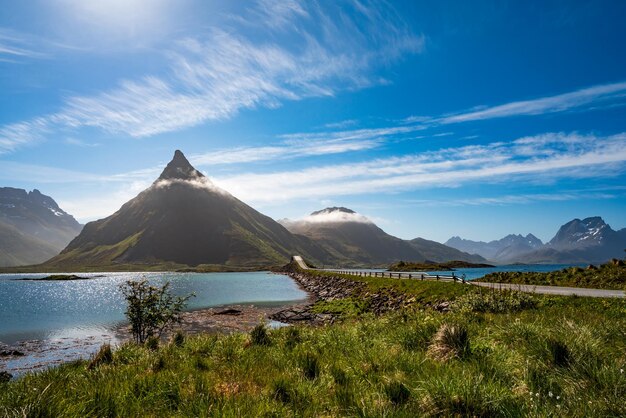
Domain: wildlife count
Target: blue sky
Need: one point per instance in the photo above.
(433, 118)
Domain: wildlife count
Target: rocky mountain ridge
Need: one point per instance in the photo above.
(33, 228)
(590, 240)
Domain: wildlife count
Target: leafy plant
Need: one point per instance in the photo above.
(310, 365)
(260, 336)
(150, 309)
(103, 356)
(496, 301)
(450, 341)
(559, 352)
(397, 392)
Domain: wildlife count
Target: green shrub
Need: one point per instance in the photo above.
(397, 392)
(310, 365)
(559, 352)
(293, 337)
(152, 343)
(150, 310)
(178, 339)
(103, 356)
(450, 341)
(158, 365)
(496, 301)
(339, 375)
(260, 336)
(281, 391)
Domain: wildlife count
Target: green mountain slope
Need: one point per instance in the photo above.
(356, 241)
(183, 218)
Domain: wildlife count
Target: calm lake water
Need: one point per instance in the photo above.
(57, 321)
(477, 273)
(48, 310)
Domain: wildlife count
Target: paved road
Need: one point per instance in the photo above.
(545, 290)
(556, 290)
(300, 262)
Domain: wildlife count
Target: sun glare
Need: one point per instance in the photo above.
(116, 20)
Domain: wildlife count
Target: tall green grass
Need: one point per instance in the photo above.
(564, 358)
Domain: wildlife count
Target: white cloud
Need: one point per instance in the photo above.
(214, 76)
(550, 104)
(198, 183)
(516, 199)
(303, 145)
(15, 46)
(326, 216)
(536, 159)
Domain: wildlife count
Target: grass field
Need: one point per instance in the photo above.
(545, 356)
(611, 275)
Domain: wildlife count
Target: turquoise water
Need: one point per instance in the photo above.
(49, 310)
(477, 273)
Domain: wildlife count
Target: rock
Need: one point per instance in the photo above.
(10, 352)
(442, 307)
(228, 312)
(5, 377)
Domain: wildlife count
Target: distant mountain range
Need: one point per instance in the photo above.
(183, 219)
(33, 227)
(590, 240)
(502, 250)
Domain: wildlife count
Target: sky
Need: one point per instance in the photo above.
(432, 118)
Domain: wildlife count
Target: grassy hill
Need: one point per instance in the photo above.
(611, 275)
(448, 265)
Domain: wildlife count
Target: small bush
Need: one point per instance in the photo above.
(178, 339)
(397, 392)
(559, 352)
(260, 336)
(200, 364)
(152, 343)
(310, 366)
(293, 337)
(450, 341)
(158, 365)
(281, 391)
(339, 375)
(103, 356)
(150, 310)
(496, 301)
(5, 377)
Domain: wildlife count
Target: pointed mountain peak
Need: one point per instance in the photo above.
(333, 209)
(180, 168)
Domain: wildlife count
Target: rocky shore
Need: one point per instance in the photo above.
(329, 288)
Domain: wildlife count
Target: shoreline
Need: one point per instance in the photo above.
(37, 355)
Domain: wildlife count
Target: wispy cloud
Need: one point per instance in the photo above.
(284, 150)
(348, 140)
(517, 199)
(342, 124)
(544, 105)
(15, 46)
(214, 76)
(538, 159)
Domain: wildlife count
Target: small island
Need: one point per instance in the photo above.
(58, 277)
(433, 266)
